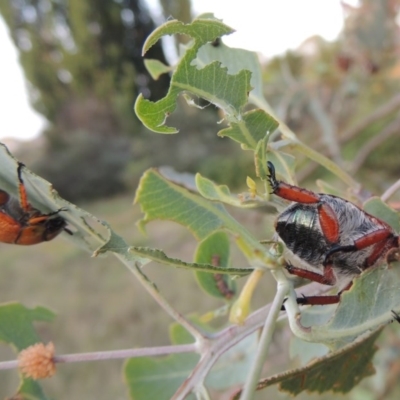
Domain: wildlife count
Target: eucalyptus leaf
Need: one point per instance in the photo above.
(156, 68)
(366, 306)
(158, 378)
(165, 200)
(254, 126)
(212, 82)
(338, 371)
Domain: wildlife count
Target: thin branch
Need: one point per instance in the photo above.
(390, 191)
(162, 302)
(114, 354)
(222, 341)
(265, 341)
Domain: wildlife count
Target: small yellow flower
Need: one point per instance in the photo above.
(37, 361)
(252, 187)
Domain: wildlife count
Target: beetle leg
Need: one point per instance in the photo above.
(328, 278)
(315, 300)
(318, 300)
(43, 217)
(372, 238)
(321, 300)
(290, 192)
(23, 197)
(379, 238)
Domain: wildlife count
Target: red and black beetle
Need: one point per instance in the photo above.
(20, 223)
(328, 239)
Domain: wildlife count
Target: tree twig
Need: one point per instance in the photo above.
(114, 354)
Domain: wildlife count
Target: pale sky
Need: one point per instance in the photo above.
(269, 27)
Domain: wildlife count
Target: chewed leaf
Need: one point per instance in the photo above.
(235, 60)
(212, 82)
(161, 199)
(156, 68)
(367, 305)
(339, 371)
(254, 126)
(211, 191)
(204, 29)
(88, 231)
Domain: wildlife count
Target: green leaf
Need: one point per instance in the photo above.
(156, 68)
(31, 390)
(151, 378)
(179, 335)
(365, 306)
(211, 191)
(232, 367)
(159, 256)
(339, 372)
(162, 199)
(254, 126)
(221, 193)
(376, 207)
(260, 159)
(17, 330)
(212, 82)
(203, 29)
(284, 164)
(16, 324)
(306, 351)
(235, 60)
(215, 249)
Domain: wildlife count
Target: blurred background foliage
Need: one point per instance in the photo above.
(83, 62)
(342, 97)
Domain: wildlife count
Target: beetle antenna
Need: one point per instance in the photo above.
(19, 172)
(272, 177)
(68, 231)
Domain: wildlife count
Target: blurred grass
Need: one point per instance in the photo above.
(99, 304)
